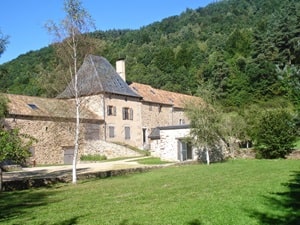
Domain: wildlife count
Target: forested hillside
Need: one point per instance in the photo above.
(248, 49)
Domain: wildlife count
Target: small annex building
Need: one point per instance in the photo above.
(171, 143)
(112, 111)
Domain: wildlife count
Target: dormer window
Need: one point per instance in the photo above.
(33, 106)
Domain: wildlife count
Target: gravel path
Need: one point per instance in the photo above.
(66, 170)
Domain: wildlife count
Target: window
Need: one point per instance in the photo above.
(181, 121)
(111, 110)
(111, 132)
(127, 113)
(127, 133)
(33, 106)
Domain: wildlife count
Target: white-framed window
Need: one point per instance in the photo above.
(127, 113)
(127, 133)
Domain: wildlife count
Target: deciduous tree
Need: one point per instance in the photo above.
(275, 134)
(73, 45)
(205, 121)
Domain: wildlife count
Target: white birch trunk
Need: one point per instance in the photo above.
(77, 102)
(76, 147)
(207, 157)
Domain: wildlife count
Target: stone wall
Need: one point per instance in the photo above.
(52, 137)
(167, 146)
(110, 150)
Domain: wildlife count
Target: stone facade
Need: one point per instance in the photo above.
(171, 145)
(123, 120)
(157, 115)
(51, 136)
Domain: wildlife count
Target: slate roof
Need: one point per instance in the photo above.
(95, 76)
(154, 95)
(30, 106)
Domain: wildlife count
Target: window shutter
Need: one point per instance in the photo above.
(127, 133)
(123, 113)
(131, 114)
(111, 131)
(115, 110)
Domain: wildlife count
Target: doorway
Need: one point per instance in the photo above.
(185, 151)
(68, 155)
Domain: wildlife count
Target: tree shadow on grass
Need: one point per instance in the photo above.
(193, 222)
(16, 204)
(285, 205)
(71, 221)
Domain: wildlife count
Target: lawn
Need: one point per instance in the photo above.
(235, 192)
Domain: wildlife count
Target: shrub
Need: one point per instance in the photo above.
(275, 134)
(14, 146)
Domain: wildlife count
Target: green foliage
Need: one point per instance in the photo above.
(275, 134)
(236, 44)
(205, 118)
(14, 146)
(3, 106)
(93, 158)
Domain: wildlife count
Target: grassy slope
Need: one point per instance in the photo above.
(236, 192)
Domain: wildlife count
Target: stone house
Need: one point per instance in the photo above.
(112, 111)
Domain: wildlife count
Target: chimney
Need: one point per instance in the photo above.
(120, 68)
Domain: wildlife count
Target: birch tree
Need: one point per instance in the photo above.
(205, 121)
(72, 44)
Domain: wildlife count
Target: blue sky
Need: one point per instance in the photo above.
(24, 20)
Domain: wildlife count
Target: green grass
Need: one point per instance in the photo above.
(93, 158)
(235, 192)
(151, 161)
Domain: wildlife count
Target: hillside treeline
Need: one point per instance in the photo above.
(248, 49)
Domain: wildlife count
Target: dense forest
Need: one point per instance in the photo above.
(248, 49)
